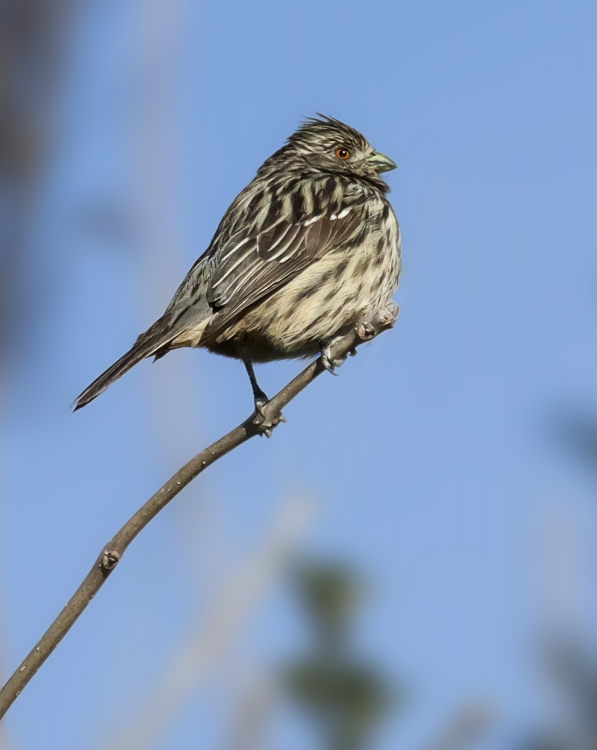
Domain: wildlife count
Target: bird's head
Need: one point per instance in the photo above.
(324, 144)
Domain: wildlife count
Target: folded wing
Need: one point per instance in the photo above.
(253, 267)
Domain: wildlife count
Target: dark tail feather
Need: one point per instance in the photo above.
(145, 346)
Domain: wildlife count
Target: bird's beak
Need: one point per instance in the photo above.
(380, 163)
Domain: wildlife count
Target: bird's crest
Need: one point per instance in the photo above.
(326, 131)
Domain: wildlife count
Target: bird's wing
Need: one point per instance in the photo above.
(255, 265)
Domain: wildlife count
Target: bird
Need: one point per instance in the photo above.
(306, 250)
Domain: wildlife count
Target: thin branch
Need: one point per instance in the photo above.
(111, 554)
(255, 711)
(213, 637)
(465, 728)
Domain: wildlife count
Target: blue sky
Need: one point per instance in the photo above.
(431, 454)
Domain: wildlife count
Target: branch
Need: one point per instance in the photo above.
(255, 711)
(111, 554)
(466, 727)
(212, 638)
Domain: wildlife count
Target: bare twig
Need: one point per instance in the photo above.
(255, 711)
(211, 639)
(469, 724)
(111, 554)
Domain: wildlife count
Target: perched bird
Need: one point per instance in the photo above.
(305, 251)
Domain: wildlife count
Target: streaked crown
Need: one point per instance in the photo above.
(325, 145)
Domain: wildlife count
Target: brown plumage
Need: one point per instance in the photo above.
(306, 250)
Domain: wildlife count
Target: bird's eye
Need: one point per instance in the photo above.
(342, 153)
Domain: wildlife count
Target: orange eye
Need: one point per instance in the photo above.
(342, 153)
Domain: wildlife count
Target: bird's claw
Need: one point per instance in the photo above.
(265, 423)
(327, 362)
(326, 359)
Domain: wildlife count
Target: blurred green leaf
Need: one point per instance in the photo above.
(330, 594)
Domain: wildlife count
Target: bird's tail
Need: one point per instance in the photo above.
(147, 344)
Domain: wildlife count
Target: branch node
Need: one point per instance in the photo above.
(110, 560)
(388, 317)
(366, 331)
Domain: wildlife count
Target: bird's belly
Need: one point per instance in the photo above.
(327, 297)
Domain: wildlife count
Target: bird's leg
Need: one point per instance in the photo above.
(258, 395)
(265, 424)
(326, 356)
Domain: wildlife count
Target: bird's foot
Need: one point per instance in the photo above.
(326, 357)
(264, 421)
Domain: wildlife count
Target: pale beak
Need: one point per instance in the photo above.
(380, 163)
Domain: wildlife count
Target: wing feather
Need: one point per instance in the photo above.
(315, 219)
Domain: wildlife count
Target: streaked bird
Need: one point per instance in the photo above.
(308, 249)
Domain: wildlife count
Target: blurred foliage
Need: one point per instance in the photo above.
(576, 430)
(32, 46)
(576, 671)
(330, 595)
(573, 676)
(344, 696)
(548, 743)
(345, 699)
